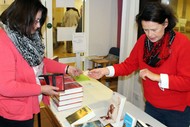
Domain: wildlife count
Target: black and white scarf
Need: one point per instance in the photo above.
(32, 49)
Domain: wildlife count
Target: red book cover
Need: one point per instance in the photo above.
(68, 79)
(71, 88)
(56, 79)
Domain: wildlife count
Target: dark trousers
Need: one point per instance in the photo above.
(14, 123)
(170, 118)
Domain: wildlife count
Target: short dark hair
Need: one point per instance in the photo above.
(157, 12)
(20, 16)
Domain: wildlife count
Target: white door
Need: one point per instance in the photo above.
(54, 20)
(48, 30)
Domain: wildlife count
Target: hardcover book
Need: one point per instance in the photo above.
(82, 115)
(69, 96)
(66, 102)
(54, 79)
(95, 123)
(115, 109)
(65, 107)
(68, 79)
(71, 88)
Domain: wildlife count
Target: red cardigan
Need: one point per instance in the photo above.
(177, 66)
(18, 89)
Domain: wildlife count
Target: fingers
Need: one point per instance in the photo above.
(95, 73)
(49, 90)
(142, 74)
(73, 71)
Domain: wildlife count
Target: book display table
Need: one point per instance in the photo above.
(96, 96)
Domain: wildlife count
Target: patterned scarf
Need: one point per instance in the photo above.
(32, 49)
(156, 53)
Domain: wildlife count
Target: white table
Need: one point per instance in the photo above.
(96, 95)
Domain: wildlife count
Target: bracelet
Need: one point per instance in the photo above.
(67, 69)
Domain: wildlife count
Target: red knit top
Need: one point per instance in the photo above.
(177, 66)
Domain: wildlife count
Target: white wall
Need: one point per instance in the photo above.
(130, 86)
(102, 27)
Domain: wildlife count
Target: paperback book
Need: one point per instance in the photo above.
(115, 109)
(95, 123)
(129, 120)
(82, 115)
(139, 123)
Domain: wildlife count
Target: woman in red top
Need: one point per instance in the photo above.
(22, 60)
(162, 56)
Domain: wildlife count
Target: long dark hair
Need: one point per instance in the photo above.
(20, 16)
(157, 12)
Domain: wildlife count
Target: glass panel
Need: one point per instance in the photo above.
(182, 11)
(64, 17)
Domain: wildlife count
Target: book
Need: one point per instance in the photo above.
(70, 88)
(95, 123)
(139, 123)
(61, 97)
(66, 102)
(66, 107)
(54, 79)
(68, 79)
(82, 77)
(81, 115)
(115, 109)
(129, 120)
(108, 125)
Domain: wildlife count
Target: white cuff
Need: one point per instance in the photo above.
(111, 70)
(164, 81)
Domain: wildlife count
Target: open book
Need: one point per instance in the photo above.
(115, 109)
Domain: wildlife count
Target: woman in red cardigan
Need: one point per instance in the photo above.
(22, 60)
(162, 56)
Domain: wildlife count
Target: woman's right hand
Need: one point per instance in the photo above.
(49, 90)
(98, 73)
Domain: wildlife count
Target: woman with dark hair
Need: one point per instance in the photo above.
(22, 60)
(162, 56)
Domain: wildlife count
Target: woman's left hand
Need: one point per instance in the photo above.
(145, 73)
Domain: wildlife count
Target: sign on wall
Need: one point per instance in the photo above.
(64, 3)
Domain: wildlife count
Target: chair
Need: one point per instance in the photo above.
(111, 58)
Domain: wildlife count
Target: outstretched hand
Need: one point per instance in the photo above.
(73, 71)
(98, 73)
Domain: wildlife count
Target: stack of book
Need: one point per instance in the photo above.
(70, 97)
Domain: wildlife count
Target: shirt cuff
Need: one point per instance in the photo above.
(111, 71)
(164, 81)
